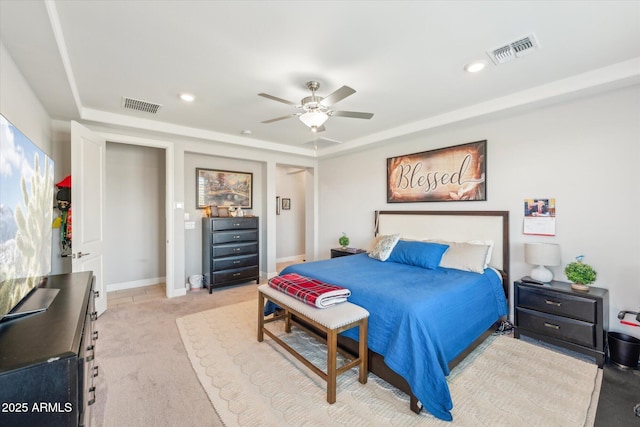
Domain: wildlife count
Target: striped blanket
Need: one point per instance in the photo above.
(310, 291)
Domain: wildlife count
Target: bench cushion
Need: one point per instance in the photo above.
(332, 317)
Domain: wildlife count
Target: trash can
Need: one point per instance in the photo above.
(624, 349)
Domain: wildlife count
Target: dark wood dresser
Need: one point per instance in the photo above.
(47, 365)
(230, 248)
(556, 314)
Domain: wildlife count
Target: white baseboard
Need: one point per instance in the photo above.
(135, 284)
(300, 258)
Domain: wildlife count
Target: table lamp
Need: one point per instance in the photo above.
(542, 255)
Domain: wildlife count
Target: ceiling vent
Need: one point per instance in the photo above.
(138, 105)
(513, 50)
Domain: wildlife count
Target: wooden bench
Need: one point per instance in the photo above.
(331, 320)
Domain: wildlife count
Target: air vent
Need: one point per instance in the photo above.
(138, 105)
(513, 50)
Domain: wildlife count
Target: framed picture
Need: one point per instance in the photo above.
(223, 188)
(286, 204)
(277, 205)
(450, 174)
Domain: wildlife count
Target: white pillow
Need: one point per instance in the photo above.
(464, 256)
(384, 246)
(489, 252)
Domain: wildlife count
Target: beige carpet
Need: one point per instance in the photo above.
(504, 382)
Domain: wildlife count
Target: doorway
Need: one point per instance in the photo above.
(291, 214)
(135, 221)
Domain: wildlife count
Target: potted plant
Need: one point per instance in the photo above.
(343, 240)
(580, 274)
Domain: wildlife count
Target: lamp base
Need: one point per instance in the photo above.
(542, 274)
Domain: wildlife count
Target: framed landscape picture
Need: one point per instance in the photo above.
(223, 188)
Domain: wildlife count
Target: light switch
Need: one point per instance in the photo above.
(189, 225)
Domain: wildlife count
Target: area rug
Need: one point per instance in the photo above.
(504, 382)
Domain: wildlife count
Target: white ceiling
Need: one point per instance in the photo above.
(405, 60)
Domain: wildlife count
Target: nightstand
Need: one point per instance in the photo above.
(558, 315)
(338, 252)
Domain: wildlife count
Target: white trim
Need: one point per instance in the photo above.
(135, 284)
(300, 258)
(169, 194)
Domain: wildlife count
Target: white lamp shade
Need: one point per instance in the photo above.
(541, 255)
(314, 119)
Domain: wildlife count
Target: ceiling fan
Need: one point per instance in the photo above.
(316, 109)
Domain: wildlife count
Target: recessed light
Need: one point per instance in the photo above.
(475, 66)
(246, 132)
(187, 97)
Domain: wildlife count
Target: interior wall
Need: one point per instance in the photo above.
(135, 216)
(583, 152)
(290, 224)
(21, 106)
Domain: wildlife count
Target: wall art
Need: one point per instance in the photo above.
(223, 188)
(456, 173)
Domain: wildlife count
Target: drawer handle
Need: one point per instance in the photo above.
(236, 274)
(93, 400)
(94, 315)
(95, 335)
(236, 237)
(236, 262)
(95, 371)
(551, 325)
(236, 249)
(557, 304)
(236, 224)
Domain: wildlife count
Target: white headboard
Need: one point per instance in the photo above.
(457, 226)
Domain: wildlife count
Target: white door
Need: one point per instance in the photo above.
(87, 204)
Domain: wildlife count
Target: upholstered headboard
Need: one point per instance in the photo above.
(457, 226)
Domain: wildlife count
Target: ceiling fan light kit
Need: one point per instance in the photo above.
(314, 119)
(316, 108)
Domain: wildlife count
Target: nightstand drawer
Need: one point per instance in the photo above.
(575, 331)
(557, 303)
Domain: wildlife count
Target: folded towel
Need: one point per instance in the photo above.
(310, 291)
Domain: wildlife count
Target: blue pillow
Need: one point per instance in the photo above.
(420, 254)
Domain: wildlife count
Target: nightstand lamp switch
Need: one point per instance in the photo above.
(542, 255)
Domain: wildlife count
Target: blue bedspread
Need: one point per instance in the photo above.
(420, 319)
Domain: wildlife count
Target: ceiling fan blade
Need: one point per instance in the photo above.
(281, 118)
(352, 114)
(336, 96)
(275, 98)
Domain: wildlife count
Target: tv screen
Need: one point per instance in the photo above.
(26, 211)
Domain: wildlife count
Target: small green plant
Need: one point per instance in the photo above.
(343, 240)
(579, 272)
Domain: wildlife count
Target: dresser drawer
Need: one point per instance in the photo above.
(565, 305)
(234, 249)
(235, 274)
(575, 331)
(234, 236)
(234, 223)
(234, 262)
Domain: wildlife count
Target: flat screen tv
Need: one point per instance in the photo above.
(26, 211)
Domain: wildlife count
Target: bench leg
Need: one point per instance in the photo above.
(260, 317)
(363, 351)
(332, 354)
(287, 320)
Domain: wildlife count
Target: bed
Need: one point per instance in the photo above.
(425, 317)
